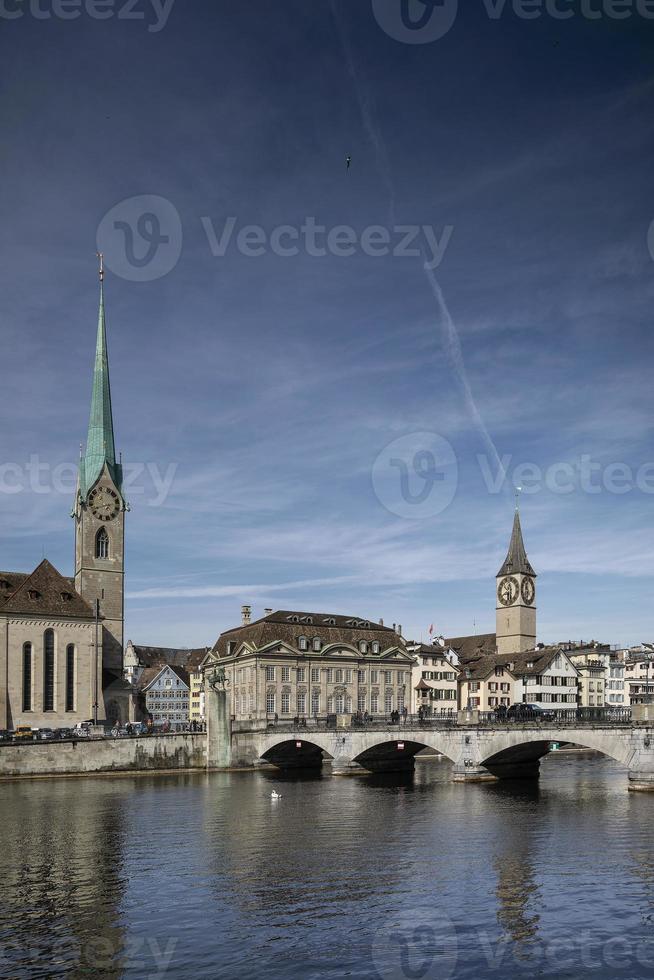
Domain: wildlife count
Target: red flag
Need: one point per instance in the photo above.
(431, 629)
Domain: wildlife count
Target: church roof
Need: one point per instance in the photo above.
(100, 448)
(43, 593)
(175, 657)
(473, 647)
(516, 561)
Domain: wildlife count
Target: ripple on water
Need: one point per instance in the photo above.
(195, 875)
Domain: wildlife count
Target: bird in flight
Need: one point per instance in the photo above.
(348, 161)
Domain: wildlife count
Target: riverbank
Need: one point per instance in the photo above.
(83, 757)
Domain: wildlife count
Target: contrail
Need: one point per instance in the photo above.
(450, 332)
(453, 347)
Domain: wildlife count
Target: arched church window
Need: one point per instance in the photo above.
(48, 670)
(102, 544)
(27, 676)
(70, 677)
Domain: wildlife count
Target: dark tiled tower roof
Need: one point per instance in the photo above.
(516, 561)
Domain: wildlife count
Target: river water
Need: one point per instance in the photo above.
(195, 875)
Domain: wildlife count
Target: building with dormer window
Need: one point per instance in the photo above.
(272, 673)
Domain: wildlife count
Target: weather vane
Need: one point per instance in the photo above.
(518, 491)
(101, 269)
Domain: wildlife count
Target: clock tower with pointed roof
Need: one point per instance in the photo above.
(516, 597)
(99, 510)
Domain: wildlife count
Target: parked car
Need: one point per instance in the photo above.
(64, 733)
(24, 733)
(528, 711)
(5, 736)
(45, 734)
(82, 729)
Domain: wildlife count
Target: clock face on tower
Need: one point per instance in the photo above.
(104, 503)
(527, 591)
(508, 590)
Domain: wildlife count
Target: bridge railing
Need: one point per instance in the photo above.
(557, 716)
(519, 716)
(370, 723)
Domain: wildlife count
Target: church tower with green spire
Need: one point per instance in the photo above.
(515, 617)
(99, 511)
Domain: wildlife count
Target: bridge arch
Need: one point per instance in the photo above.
(295, 752)
(509, 750)
(373, 750)
(384, 753)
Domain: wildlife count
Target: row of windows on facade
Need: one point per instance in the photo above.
(158, 706)
(183, 693)
(547, 680)
(493, 686)
(335, 704)
(48, 661)
(170, 717)
(494, 702)
(336, 675)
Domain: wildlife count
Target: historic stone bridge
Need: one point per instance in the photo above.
(478, 751)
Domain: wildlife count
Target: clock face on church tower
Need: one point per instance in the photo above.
(508, 590)
(104, 503)
(527, 591)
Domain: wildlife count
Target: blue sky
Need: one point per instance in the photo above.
(271, 386)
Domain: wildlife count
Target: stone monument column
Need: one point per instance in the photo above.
(216, 712)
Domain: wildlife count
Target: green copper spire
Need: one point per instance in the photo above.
(100, 448)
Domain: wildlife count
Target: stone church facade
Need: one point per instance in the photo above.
(61, 639)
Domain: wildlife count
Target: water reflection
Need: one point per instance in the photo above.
(62, 873)
(206, 875)
(514, 860)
